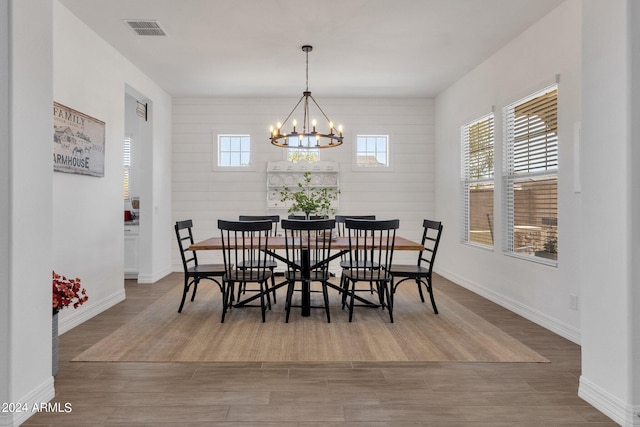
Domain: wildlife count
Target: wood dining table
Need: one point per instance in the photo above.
(339, 244)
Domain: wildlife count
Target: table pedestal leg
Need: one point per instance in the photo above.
(306, 284)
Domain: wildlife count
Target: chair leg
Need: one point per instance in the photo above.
(433, 301)
(290, 287)
(325, 294)
(344, 285)
(184, 293)
(380, 292)
(227, 297)
(195, 288)
(273, 284)
(419, 283)
(353, 292)
(389, 297)
(240, 289)
(263, 308)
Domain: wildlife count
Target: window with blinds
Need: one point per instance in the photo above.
(127, 166)
(531, 176)
(477, 140)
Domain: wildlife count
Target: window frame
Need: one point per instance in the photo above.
(519, 169)
(467, 181)
(217, 152)
(378, 168)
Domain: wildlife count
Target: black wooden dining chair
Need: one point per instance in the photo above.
(342, 232)
(271, 262)
(308, 247)
(245, 243)
(371, 242)
(193, 271)
(422, 271)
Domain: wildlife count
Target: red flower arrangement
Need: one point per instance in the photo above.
(67, 292)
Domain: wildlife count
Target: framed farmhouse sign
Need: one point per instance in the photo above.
(78, 142)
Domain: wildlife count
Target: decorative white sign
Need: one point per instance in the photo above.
(78, 142)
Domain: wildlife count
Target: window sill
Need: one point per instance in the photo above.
(536, 259)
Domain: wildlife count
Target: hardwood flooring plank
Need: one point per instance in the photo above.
(343, 393)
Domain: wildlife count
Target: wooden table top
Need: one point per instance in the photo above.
(341, 243)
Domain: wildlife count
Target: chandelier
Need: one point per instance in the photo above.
(306, 137)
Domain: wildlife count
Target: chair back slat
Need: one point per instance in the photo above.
(342, 232)
(430, 241)
(371, 243)
(275, 220)
(310, 238)
(244, 245)
(184, 234)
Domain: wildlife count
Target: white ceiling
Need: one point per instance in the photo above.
(414, 48)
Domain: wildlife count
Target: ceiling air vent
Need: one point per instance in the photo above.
(146, 27)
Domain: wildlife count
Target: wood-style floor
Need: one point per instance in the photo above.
(363, 394)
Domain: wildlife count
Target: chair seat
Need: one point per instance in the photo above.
(316, 276)
(254, 264)
(408, 270)
(359, 264)
(207, 269)
(366, 275)
(314, 263)
(247, 276)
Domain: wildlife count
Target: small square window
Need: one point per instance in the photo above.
(234, 151)
(372, 151)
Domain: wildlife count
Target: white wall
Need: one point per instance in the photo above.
(205, 195)
(26, 131)
(88, 224)
(527, 64)
(610, 377)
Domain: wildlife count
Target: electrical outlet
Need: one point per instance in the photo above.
(573, 301)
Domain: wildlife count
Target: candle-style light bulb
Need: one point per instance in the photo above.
(340, 129)
(331, 127)
(295, 123)
(313, 123)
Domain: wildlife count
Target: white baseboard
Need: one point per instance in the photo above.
(153, 278)
(30, 404)
(611, 406)
(564, 330)
(80, 316)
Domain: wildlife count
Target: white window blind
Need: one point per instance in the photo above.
(127, 165)
(477, 146)
(531, 176)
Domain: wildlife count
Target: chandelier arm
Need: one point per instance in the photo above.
(294, 109)
(319, 108)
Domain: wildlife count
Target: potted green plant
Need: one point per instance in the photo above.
(550, 248)
(310, 200)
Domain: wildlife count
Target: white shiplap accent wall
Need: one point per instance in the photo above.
(206, 195)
